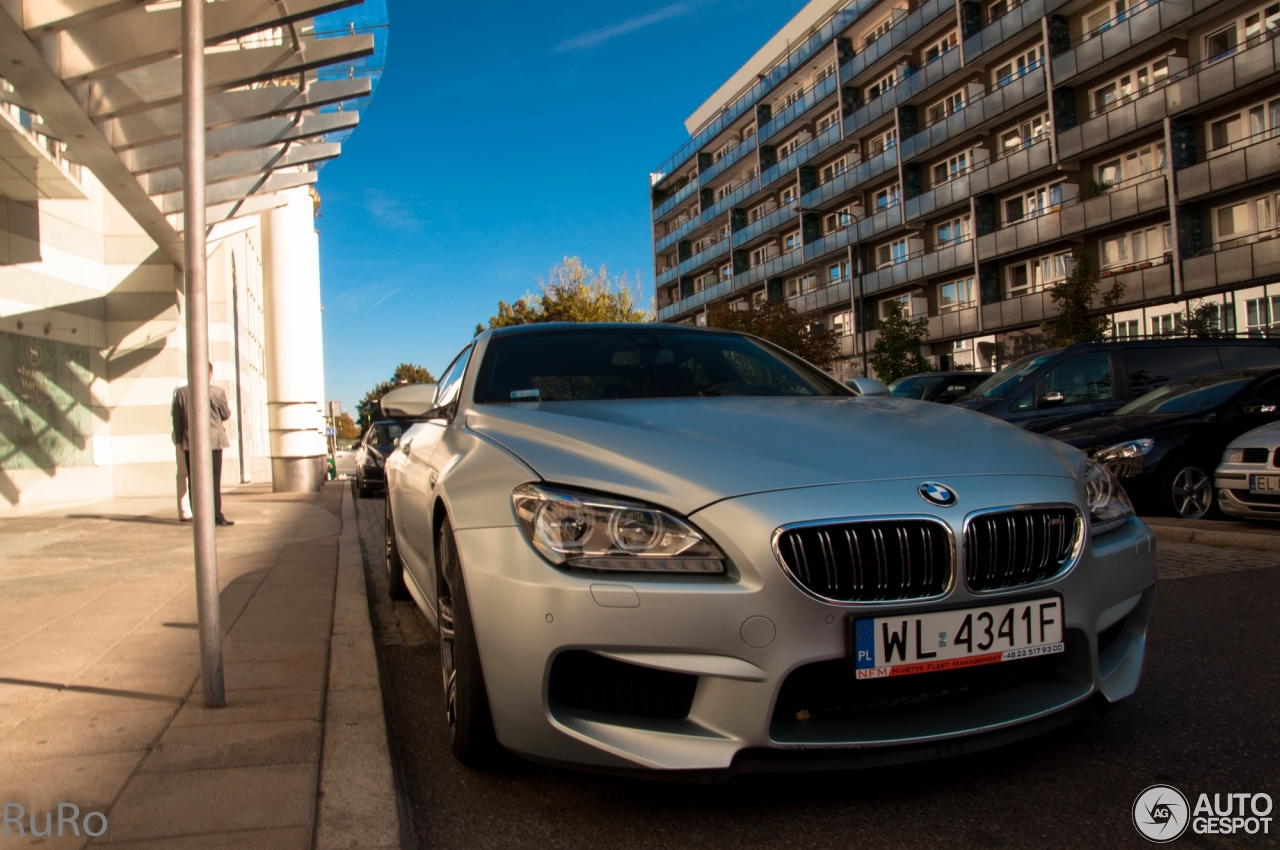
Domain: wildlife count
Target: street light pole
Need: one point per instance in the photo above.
(199, 432)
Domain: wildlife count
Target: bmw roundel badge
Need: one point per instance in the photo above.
(937, 494)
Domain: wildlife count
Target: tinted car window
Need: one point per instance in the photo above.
(384, 433)
(451, 380)
(917, 386)
(1190, 395)
(1085, 377)
(1150, 367)
(1002, 382)
(642, 363)
(1244, 356)
(958, 386)
(1263, 399)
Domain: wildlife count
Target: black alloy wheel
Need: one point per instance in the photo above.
(471, 733)
(1188, 491)
(396, 587)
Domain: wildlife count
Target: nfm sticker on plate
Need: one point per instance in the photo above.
(903, 644)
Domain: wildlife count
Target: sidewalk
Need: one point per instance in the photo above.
(1224, 534)
(100, 702)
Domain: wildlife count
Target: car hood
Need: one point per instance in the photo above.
(1108, 430)
(1268, 436)
(689, 452)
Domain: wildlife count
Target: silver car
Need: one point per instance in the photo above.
(1248, 479)
(664, 548)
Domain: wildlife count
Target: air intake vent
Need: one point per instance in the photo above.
(1014, 548)
(591, 682)
(868, 561)
(1255, 456)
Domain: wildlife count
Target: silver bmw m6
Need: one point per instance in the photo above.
(665, 548)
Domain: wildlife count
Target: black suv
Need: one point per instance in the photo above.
(1053, 388)
(378, 442)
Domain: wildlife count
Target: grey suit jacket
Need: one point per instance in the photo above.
(219, 412)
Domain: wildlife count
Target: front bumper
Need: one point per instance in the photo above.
(744, 634)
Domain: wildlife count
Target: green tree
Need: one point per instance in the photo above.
(405, 373)
(1202, 321)
(345, 427)
(1074, 296)
(896, 353)
(779, 324)
(574, 293)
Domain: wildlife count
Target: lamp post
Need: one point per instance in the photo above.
(855, 301)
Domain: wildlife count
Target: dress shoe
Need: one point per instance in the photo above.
(223, 521)
(184, 519)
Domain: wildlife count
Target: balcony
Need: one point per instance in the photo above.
(1023, 235)
(1142, 195)
(772, 267)
(737, 196)
(764, 224)
(1142, 283)
(920, 266)
(1230, 263)
(870, 169)
(1249, 160)
(866, 229)
(682, 194)
(890, 44)
(706, 255)
(696, 300)
(1178, 93)
(801, 54)
(994, 173)
(1139, 285)
(819, 299)
(731, 158)
(1094, 49)
(667, 275)
(802, 154)
(814, 95)
(1008, 26)
(993, 106)
(953, 323)
(676, 235)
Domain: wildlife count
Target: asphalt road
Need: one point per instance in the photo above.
(1205, 719)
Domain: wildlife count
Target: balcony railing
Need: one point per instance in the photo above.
(706, 255)
(1009, 25)
(696, 300)
(953, 323)
(1022, 235)
(771, 267)
(667, 275)
(873, 226)
(682, 194)
(828, 295)
(737, 196)
(1247, 161)
(878, 165)
(920, 266)
(1226, 264)
(806, 102)
(731, 157)
(993, 106)
(1139, 196)
(800, 156)
(1120, 36)
(793, 61)
(764, 224)
(676, 235)
(981, 179)
(889, 44)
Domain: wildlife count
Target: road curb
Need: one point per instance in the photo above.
(1223, 539)
(357, 805)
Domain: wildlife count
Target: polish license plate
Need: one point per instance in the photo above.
(903, 644)
(1269, 484)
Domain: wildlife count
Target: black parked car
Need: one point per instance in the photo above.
(942, 387)
(1165, 445)
(1053, 388)
(378, 442)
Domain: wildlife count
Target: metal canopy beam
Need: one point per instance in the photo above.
(159, 83)
(139, 36)
(46, 94)
(241, 165)
(227, 108)
(242, 187)
(229, 140)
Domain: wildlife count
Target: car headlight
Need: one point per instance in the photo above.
(592, 532)
(1233, 456)
(1124, 451)
(1109, 504)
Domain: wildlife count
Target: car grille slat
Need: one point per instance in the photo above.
(1255, 456)
(1019, 547)
(879, 559)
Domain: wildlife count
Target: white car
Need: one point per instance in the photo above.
(1248, 479)
(665, 548)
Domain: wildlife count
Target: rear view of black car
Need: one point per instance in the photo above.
(1049, 389)
(1165, 445)
(378, 442)
(942, 387)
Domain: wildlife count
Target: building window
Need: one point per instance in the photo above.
(724, 191)
(949, 105)
(1033, 203)
(941, 47)
(882, 85)
(1130, 166)
(878, 30)
(1168, 324)
(1025, 135)
(887, 197)
(1244, 222)
(788, 195)
(1247, 126)
(828, 121)
(1109, 15)
(762, 255)
(881, 143)
(800, 285)
(903, 300)
(791, 241)
(1260, 315)
(1018, 66)
(954, 231)
(838, 220)
(825, 71)
(837, 272)
(1248, 30)
(892, 253)
(1128, 329)
(832, 170)
(1129, 86)
(1000, 8)
(955, 295)
(841, 324)
(1034, 275)
(951, 168)
(1138, 246)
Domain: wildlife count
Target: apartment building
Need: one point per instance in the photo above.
(954, 155)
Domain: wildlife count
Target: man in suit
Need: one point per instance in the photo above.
(219, 412)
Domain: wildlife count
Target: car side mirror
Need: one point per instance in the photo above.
(396, 442)
(1260, 408)
(867, 387)
(1051, 399)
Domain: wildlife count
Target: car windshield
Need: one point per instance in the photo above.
(647, 362)
(1190, 395)
(916, 386)
(1010, 376)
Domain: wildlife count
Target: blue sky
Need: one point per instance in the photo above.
(503, 137)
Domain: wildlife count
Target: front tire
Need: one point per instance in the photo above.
(396, 588)
(1188, 491)
(471, 734)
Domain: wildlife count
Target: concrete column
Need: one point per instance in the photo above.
(294, 344)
